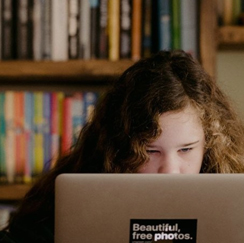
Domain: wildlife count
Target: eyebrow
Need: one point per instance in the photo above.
(189, 144)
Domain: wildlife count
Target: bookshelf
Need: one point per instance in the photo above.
(95, 74)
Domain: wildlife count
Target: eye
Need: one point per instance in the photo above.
(152, 151)
(185, 150)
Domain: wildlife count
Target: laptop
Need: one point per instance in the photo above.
(145, 208)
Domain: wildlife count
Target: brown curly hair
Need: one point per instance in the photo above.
(126, 120)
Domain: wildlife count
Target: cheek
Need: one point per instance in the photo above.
(193, 162)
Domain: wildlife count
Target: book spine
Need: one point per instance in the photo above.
(37, 30)
(94, 9)
(29, 135)
(189, 33)
(38, 134)
(146, 28)
(67, 125)
(125, 29)
(176, 25)
(56, 125)
(136, 29)
(85, 36)
(7, 30)
(90, 100)
(46, 30)
(3, 167)
(59, 30)
(47, 129)
(22, 29)
(77, 115)
(164, 18)
(103, 29)
(73, 29)
(20, 143)
(114, 29)
(236, 11)
(10, 135)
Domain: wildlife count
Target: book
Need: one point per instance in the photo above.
(125, 29)
(46, 30)
(94, 28)
(3, 167)
(37, 30)
(56, 125)
(136, 41)
(66, 139)
(164, 18)
(38, 163)
(58, 30)
(7, 30)
(146, 28)
(10, 135)
(113, 29)
(154, 28)
(176, 24)
(47, 139)
(90, 100)
(73, 29)
(20, 143)
(24, 10)
(103, 29)
(77, 115)
(29, 135)
(189, 27)
(85, 36)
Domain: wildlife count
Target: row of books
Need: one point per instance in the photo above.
(231, 12)
(36, 127)
(60, 30)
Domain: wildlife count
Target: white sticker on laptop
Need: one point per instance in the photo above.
(165, 230)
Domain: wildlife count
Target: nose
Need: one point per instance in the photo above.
(169, 165)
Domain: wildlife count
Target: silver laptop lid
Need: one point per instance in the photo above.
(140, 208)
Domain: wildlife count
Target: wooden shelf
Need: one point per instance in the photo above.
(48, 72)
(231, 38)
(13, 192)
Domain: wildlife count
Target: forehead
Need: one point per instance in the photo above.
(184, 121)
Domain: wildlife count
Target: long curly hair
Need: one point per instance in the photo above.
(125, 120)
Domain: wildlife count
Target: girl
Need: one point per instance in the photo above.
(163, 115)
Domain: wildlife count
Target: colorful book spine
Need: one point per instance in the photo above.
(46, 30)
(47, 130)
(176, 24)
(164, 18)
(7, 30)
(20, 142)
(10, 135)
(125, 29)
(136, 42)
(73, 29)
(38, 163)
(85, 32)
(189, 28)
(90, 100)
(227, 12)
(66, 141)
(94, 10)
(146, 28)
(103, 29)
(23, 30)
(3, 167)
(59, 30)
(29, 135)
(77, 115)
(114, 29)
(57, 99)
(37, 30)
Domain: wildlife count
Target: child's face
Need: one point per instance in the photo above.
(180, 147)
